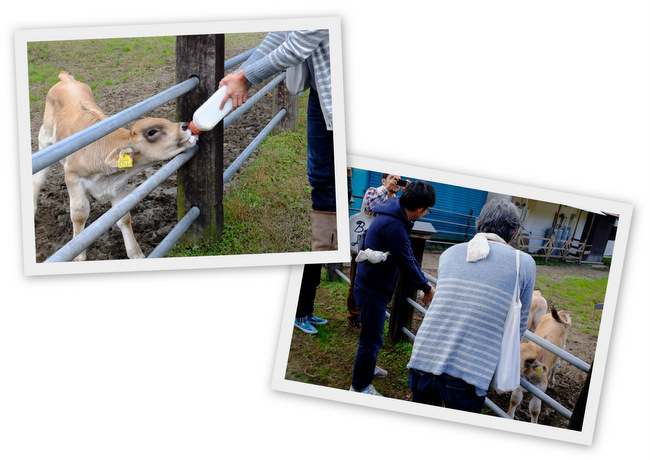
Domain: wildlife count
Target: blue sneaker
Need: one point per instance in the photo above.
(305, 326)
(316, 320)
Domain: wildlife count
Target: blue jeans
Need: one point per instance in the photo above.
(434, 389)
(320, 157)
(372, 313)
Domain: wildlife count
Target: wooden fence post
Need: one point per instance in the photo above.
(401, 314)
(282, 98)
(200, 180)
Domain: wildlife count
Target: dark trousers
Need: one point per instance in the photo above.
(320, 157)
(308, 286)
(435, 390)
(320, 170)
(373, 316)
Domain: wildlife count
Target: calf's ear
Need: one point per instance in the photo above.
(116, 158)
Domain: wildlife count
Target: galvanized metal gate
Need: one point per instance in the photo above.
(71, 144)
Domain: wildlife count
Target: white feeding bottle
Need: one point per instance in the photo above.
(209, 114)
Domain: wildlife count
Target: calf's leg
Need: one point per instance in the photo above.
(46, 137)
(133, 250)
(535, 407)
(79, 212)
(132, 247)
(515, 400)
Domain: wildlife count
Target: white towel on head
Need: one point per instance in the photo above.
(374, 257)
(478, 247)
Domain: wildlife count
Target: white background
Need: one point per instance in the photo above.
(177, 364)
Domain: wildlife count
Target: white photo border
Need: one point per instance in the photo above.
(23, 37)
(585, 436)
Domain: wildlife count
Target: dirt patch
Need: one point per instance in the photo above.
(156, 215)
(327, 358)
(328, 361)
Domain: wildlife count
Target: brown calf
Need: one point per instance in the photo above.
(538, 365)
(538, 307)
(103, 168)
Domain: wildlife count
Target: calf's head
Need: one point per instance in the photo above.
(151, 140)
(531, 368)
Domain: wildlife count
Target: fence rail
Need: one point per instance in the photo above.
(555, 248)
(84, 239)
(453, 227)
(573, 360)
(448, 230)
(58, 151)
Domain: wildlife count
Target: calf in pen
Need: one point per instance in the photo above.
(103, 168)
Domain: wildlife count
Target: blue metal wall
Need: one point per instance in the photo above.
(449, 216)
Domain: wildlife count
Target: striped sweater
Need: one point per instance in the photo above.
(281, 50)
(462, 329)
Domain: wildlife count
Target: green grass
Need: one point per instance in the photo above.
(266, 209)
(579, 296)
(243, 40)
(327, 359)
(98, 63)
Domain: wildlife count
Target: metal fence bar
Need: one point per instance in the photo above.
(236, 114)
(232, 62)
(524, 383)
(340, 273)
(496, 409)
(457, 224)
(106, 220)
(71, 144)
(416, 305)
(408, 333)
(65, 147)
(568, 357)
(181, 227)
(430, 278)
(235, 165)
(563, 411)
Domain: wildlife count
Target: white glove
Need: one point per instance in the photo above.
(374, 257)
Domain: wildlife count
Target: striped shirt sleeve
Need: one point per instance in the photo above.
(279, 51)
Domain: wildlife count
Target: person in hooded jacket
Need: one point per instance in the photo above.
(375, 283)
(279, 51)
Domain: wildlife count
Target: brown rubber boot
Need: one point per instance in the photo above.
(323, 231)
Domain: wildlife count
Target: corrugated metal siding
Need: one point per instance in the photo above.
(451, 212)
(360, 181)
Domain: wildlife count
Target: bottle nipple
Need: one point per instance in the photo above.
(194, 129)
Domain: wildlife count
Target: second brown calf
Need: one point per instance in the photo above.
(538, 365)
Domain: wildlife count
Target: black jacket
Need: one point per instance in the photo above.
(389, 232)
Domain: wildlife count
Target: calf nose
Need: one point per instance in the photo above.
(185, 126)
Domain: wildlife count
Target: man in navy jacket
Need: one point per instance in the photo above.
(374, 284)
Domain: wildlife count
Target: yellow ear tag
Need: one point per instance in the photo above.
(124, 161)
(538, 371)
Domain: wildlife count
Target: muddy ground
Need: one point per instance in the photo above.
(155, 216)
(569, 379)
